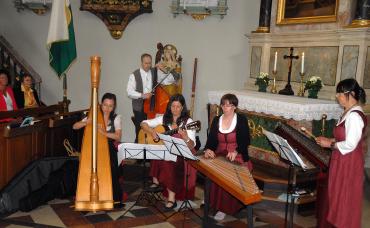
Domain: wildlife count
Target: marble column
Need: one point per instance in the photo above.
(265, 17)
(362, 15)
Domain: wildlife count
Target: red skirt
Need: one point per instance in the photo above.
(171, 175)
(220, 200)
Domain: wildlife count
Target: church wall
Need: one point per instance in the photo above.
(220, 46)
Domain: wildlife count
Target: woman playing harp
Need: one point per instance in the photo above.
(113, 133)
(229, 137)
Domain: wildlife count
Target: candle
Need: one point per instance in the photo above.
(302, 63)
(206, 4)
(184, 4)
(275, 61)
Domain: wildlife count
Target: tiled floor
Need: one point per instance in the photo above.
(60, 213)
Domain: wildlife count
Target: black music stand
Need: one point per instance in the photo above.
(145, 151)
(287, 153)
(178, 147)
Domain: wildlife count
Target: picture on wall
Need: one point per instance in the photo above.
(306, 11)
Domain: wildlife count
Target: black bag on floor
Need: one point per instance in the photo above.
(30, 180)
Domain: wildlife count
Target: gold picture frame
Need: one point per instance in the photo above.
(306, 11)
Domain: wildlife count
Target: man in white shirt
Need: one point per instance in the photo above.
(139, 88)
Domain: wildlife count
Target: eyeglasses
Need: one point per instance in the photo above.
(227, 105)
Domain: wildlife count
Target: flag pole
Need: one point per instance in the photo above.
(65, 101)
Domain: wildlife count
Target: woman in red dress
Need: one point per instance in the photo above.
(171, 175)
(7, 100)
(346, 170)
(229, 137)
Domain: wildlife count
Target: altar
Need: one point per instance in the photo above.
(265, 110)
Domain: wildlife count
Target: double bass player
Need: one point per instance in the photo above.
(139, 89)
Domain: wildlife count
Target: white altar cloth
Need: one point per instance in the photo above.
(289, 107)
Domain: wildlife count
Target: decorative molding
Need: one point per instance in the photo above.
(116, 14)
(199, 9)
(37, 6)
(348, 64)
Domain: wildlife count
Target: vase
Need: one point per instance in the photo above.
(312, 93)
(262, 88)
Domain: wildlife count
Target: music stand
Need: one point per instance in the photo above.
(287, 153)
(145, 151)
(178, 147)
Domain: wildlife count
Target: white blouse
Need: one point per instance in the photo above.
(117, 123)
(354, 126)
(8, 101)
(232, 125)
(159, 121)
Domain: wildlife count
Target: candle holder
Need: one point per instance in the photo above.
(301, 87)
(273, 87)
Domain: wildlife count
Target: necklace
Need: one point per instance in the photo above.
(345, 112)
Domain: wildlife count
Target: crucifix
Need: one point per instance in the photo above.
(288, 88)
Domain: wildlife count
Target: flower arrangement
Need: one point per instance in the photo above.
(262, 81)
(314, 83)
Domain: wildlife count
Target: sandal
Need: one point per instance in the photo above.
(174, 205)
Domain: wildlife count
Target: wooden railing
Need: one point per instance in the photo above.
(11, 60)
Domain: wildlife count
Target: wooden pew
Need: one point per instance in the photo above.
(21, 145)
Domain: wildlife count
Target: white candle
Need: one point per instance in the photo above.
(275, 61)
(184, 4)
(302, 65)
(206, 4)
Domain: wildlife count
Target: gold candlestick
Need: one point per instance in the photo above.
(323, 124)
(273, 87)
(301, 87)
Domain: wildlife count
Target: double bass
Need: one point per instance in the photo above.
(161, 93)
(94, 185)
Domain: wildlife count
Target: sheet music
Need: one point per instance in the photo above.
(284, 149)
(177, 146)
(136, 151)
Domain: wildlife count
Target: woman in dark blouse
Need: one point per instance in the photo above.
(229, 137)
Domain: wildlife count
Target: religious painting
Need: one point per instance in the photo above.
(306, 11)
(319, 61)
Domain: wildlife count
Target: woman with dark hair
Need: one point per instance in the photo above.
(170, 174)
(228, 137)
(7, 100)
(113, 131)
(346, 171)
(25, 95)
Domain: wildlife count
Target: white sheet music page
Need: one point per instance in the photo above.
(136, 151)
(177, 146)
(284, 149)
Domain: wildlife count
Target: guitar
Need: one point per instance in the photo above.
(146, 138)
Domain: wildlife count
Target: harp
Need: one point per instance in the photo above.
(94, 185)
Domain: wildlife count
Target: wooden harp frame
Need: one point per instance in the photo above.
(94, 187)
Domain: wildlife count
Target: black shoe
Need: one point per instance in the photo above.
(174, 205)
